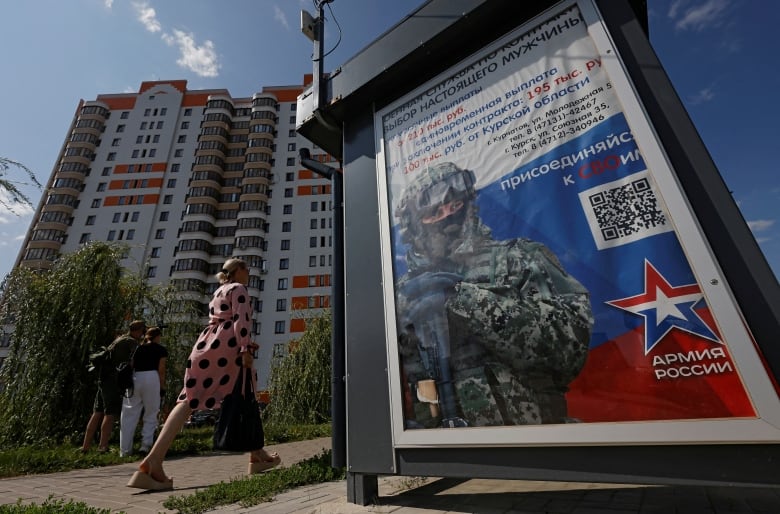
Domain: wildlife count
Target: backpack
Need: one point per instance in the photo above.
(104, 361)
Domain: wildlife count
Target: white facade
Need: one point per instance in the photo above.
(189, 179)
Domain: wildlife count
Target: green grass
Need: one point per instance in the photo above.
(40, 459)
(259, 488)
(52, 506)
(192, 441)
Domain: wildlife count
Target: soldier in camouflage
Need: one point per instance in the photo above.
(500, 325)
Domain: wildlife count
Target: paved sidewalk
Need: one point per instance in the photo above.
(105, 488)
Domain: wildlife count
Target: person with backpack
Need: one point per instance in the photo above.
(148, 364)
(108, 400)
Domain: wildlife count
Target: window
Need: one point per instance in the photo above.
(163, 111)
(312, 261)
(143, 125)
(292, 120)
(111, 156)
(84, 238)
(279, 327)
(289, 177)
(290, 147)
(313, 242)
(182, 139)
(188, 112)
(160, 234)
(116, 218)
(101, 187)
(111, 235)
(178, 153)
(90, 220)
(285, 244)
(288, 192)
(106, 171)
(287, 209)
(284, 263)
(281, 304)
(147, 112)
(167, 199)
(96, 203)
(135, 216)
(124, 115)
(130, 234)
(120, 128)
(313, 224)
(159, 125)
(291, 161)
(151, 272)
(155, 252)
(171, 183)
(175, 167)
(152, 152)
(156, 138)
(292, 133)
(286, 226)
(281, 284)
(135, 154)
(164, 216)
(185, 125)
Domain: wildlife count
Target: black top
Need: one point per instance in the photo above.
(147, 357)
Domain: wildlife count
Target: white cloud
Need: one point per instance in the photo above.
(13, 212)
(147, 16)
(704, 95)
(674, 8)
(760, 225)
(699, 17)
(202, 60)
(109, 3)
(280, 17)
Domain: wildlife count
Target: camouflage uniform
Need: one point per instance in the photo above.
(518, 325)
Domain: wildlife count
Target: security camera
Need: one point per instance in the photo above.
(308, 25)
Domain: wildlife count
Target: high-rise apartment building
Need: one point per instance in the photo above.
(188, 179)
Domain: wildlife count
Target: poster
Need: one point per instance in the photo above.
(538, 275)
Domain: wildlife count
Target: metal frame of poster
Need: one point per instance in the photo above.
(545, 279)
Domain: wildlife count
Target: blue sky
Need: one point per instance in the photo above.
(720, 55)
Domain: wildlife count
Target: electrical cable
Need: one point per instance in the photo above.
(317, 4)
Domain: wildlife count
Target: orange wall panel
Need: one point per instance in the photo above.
(297, 325)
(300, 281)
(111, 200)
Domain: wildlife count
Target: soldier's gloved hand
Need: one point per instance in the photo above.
(424, 292)
(429, 282)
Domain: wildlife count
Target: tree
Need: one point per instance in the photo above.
(300, 383)
(15, 195)
(59, 317)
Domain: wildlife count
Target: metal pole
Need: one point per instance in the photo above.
(338, 343)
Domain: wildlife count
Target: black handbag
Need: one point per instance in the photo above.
(239, 427)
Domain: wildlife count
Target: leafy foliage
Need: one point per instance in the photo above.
(14, 195)
(300, 383)
(60, 316)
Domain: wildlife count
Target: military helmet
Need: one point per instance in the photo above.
(432, 187)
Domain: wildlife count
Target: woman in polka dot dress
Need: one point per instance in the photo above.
(212, 369)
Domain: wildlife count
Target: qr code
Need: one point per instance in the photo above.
(624, 211)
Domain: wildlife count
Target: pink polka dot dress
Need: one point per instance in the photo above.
(215, 360)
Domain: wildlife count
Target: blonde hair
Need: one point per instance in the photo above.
(230, 267)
